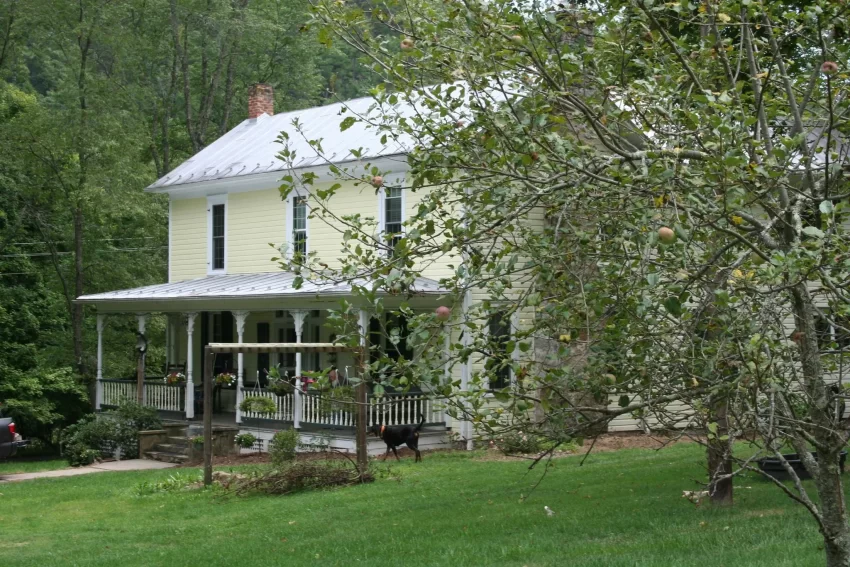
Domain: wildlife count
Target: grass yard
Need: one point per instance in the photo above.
(15, 465)
(619, 509)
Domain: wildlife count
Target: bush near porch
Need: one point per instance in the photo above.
(619, 509)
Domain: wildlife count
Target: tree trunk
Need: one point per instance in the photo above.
(720, 489)
(77, 309)
(830, 440)
(836, 530)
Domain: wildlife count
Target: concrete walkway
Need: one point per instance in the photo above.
(128, 465)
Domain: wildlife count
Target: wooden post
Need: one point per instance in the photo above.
(208, 392)
(140, 378)
(361, 396)
(142, 348)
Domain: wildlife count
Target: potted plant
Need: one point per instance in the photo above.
(175, 378)
(246, 440)
(225, 379)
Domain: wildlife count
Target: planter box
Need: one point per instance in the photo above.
(774, 468)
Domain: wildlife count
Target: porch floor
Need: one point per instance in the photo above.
(335, 438)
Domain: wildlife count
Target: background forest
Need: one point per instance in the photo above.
(98, 98)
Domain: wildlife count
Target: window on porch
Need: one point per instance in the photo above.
(390, 339)
(499, 363)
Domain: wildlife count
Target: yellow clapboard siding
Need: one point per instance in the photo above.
(188, 239)
(255, 219)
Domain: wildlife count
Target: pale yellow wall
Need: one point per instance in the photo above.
(188, 237)
(255, 219)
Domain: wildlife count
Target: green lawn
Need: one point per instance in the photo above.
(619, 509)
(15, 465)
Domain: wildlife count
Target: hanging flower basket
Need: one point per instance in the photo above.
(225, 379)
(175, 379)
(279, 385)
(258, 404)
(280, 388)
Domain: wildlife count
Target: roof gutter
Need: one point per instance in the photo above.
(394, 163)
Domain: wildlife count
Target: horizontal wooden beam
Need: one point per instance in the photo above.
(278, 347)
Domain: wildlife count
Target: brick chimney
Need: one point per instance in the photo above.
(260, 100)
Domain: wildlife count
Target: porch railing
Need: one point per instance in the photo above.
(157, 394)
(405, 409)
(390, 409)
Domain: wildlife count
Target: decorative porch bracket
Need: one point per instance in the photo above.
(190, 349)
(241, 317)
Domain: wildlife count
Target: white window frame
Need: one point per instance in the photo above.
(290, 225)
(213, 200)
(382, 216)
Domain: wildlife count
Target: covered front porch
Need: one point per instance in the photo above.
(256, 308)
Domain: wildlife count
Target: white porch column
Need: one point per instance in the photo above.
(98, 393)
(190, 385)
(298, 317)
(241, 317)
(466, 369)
(143, 320)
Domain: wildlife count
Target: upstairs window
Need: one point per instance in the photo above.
(297, 214)
(393, 216)
(299, 225)
(217, 220)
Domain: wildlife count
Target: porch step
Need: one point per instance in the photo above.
(167, 457)
(179, 448)
(179, 441)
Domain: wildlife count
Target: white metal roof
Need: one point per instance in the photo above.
(251, 148)
(240, 286)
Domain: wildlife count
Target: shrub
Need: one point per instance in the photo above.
(137, 416)
(282, 447)
(85, 441)
(246, 440)
(513, 442)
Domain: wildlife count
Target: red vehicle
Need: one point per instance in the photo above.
(10, 439)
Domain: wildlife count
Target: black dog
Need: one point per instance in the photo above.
(396, 435)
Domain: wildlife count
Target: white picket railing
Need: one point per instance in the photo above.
(158, 395)
(389, 409)
(405, 409)
(283, 404)
(338, 414)
(114, 391)
(164, 397)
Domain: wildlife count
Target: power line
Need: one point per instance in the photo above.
(42, 254)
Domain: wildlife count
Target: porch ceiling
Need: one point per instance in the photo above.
(236, 290)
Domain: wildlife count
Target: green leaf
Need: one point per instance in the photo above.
(652, 279)
(347, 123)
(672, 305)
(623, 401)
(826, 207)
(813, 231)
